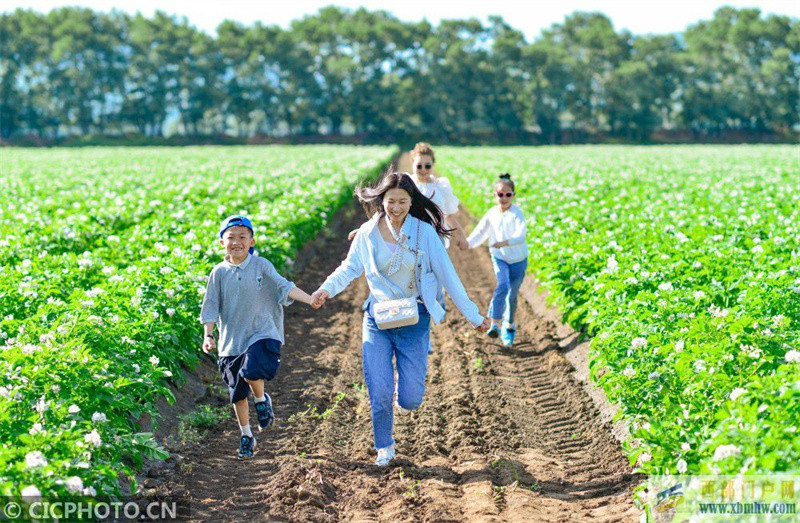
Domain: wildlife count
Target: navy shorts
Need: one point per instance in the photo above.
(260, 362)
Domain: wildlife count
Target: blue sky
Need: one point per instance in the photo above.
(530, 16)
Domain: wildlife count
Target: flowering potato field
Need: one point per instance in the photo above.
(683, 263)
(105, 253)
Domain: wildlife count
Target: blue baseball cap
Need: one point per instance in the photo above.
(234, 221)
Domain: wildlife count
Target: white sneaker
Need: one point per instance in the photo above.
(400, 410)
(385, 455)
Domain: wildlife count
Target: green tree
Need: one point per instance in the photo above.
(548, 78)
(76, 71)
(743, 72)
(19, 51)
(593, 51)
(641, 90)
(85, 67)
(150, 75)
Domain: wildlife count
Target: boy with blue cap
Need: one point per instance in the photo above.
(244, 298)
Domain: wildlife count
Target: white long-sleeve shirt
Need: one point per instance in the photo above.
(497, 226)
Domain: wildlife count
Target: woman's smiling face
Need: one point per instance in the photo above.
(396, 204)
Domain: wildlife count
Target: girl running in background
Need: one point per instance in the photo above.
(504, 226)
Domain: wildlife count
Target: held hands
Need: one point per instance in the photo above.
(351, 235)
(300, 295)
(483, 327)
(460, 239)
(318, 298)
(209, 344)
(311, 302)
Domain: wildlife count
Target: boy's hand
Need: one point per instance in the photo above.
(351, 235)
(300, 295)
(319, 297)
(503, 243)
(209, 344)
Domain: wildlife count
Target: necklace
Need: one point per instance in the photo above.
(397, 256)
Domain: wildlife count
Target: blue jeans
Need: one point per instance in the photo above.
(509, 280)
(409, 347)
(440, 299)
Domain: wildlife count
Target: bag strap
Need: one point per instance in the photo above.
(416, 259)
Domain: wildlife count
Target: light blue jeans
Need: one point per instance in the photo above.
(409, 348)
(509, 280)
(440, 299)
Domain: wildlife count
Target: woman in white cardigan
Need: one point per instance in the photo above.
(401, 251)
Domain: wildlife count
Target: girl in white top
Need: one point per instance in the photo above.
(504, 227)
(438, 190)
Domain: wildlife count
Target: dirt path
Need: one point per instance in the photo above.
(502, 435)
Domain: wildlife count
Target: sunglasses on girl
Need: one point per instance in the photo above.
(506, 194)
(426, 166)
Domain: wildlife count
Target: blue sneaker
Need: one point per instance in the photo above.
(264, 411)
(508, 336)
(247, 447)
(493, 331)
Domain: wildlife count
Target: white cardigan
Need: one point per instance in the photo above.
(436, 270)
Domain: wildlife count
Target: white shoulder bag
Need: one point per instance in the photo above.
(390, 314)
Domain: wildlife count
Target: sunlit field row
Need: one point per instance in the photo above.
(683, 264)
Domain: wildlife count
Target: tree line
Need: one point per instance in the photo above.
(75, 71)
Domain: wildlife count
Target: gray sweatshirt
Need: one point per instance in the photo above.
(246, 302)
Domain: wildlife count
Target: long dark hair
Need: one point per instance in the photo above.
(371, 197)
